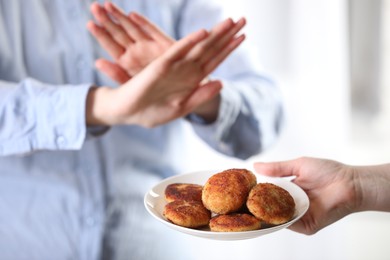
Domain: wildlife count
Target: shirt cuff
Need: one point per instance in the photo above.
(54, 118)
(64, 128)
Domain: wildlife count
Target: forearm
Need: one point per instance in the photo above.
(249, 115)
(373, 183)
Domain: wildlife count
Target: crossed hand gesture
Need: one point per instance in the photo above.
(161, 79)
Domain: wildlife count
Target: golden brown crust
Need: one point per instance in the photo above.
(183, 191)
(271, 203)
(226, 192)
(250, 176)
(234, 223)
(191, 214)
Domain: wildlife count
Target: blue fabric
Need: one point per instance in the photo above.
(69, 193)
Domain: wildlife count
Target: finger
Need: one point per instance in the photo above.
(300, 227)
(114, 29)
(153, 31)
(134, 31)
(202, 94)
(208, 44)
(222, 40)
(232, 31)
(112, 70)
(105, 40)
(221, 56)
(183, 46)
(276, 169)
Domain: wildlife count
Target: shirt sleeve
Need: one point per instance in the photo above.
(38, 116)
(251, 112)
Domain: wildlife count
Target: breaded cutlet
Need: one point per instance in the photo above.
(271, 203)
(235, 222)
(191, 214)
(225, 192)
(183, 191)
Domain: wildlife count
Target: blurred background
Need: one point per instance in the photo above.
(331, 59)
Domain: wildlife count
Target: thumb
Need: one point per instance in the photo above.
(203, 94)
(112, 70)
(275, 169)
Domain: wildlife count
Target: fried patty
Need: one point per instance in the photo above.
(271, 204)
(191, 214)
(183, 191)
(235, 222)
(226, 192)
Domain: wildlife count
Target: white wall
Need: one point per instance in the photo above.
(315, 81)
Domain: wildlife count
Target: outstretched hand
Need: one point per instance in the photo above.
(330, 186)
(170, 86)
(134, 42)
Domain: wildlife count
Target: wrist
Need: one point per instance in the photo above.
(374, 186)
(209, 110)
(358, 183)
(99, 109)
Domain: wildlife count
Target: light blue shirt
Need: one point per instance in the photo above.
(70, 192)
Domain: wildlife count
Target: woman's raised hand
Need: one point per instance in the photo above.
(172, 85)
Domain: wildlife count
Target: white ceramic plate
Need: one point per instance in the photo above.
(155, 201)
